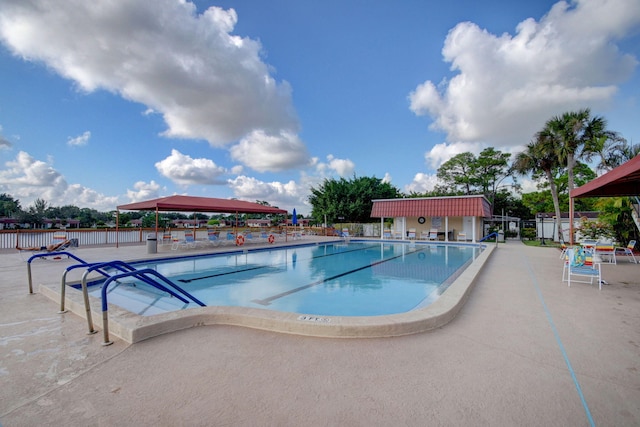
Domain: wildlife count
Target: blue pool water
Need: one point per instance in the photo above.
(339, 279)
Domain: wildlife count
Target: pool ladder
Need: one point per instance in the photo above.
(146, 275)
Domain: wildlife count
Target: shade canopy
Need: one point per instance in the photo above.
(621, 181)
(200, 204)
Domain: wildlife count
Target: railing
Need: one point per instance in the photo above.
(127, 270)
(10, 239)
(138, 274)
(490, 235)
(43, 255)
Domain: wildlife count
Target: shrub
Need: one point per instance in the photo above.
(594, 230)
(529, 233)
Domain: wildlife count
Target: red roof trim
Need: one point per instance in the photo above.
(476, 206)
(200, 204)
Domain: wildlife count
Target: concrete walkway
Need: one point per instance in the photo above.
(524, 350)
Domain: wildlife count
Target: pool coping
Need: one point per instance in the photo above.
(134, 328)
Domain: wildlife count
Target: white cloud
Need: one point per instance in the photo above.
(421, 183)
(27, 179)
(265, 152)
(284, 195)
(79, 140)
(27, 172)
(343, 167)
(143, 191)
(505, 87)
(440, 153)
(334, 166)
(207, 83)
(184, 170)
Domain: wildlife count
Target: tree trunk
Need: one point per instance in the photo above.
(556, 204)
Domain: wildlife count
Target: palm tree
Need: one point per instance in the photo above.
(540, 156)
(577, 136)
(616, 151)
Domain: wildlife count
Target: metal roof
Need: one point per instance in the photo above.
(200, 204)
(621, 181)
(432, 206)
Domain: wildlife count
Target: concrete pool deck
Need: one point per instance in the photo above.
(524, 350)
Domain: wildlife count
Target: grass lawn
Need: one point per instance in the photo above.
(548, 243)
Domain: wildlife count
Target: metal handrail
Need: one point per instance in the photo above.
(131, 271)
(137, 273)
(63, 282)
(42, 255)
(494, 234)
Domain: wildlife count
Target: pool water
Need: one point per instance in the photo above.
(338, 279)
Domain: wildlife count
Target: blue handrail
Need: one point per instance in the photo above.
(42, 255)
(136, 273)
(63, 281)
(494, 234)
(124, 267)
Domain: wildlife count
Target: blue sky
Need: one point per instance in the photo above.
(108, 103)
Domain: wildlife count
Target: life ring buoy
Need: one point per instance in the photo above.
(240, 240)
(271, 238)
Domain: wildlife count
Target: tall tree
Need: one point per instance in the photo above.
(350, 200)
(491, 167)
(577, 135)
(616, 151)
(9, 207)
(539, 157)
(458, 174)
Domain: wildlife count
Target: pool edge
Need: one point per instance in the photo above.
(133, 328)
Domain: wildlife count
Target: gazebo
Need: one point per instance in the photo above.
(196, 204)
(621, 181)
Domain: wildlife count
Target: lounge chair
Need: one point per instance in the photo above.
(462, 237)
(213, 237)
(166, 239)
(248, 236)
(412, 234)
(433, 234)
(53, 247)
(386, 234)
(606, 252)
(580, 263)
(189, 241)
(627, 251)
(345, 232)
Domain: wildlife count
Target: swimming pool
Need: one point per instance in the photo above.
(363, 278)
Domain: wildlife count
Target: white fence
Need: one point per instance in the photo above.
(9, 239)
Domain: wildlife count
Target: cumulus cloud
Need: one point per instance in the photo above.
(440, 153)
(185, 170)
(333, 166)
(206, 82)
(28, 172)
(143, 191)
(4, 143)
(265, 152)
(505, 87)
(27, 179)
(421, 183)
(79, 140)
(284, 195)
